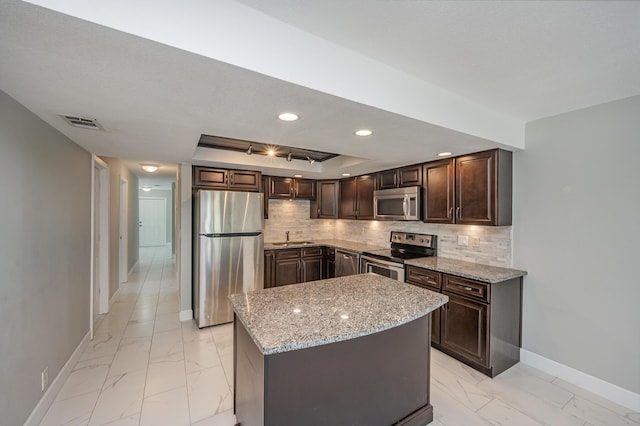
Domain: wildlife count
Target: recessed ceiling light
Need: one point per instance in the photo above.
(444, 154)
(288, 116)
(149, 167)
(298, 176)
(146, 188)
(363, 132)
(346, 174)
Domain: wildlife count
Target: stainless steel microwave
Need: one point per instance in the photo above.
(397, 203)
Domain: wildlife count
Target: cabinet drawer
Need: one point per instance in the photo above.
(424, 277)
(288, 254)
(312, 251)
(473, 289)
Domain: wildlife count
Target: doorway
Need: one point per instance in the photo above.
(153, 222)
(100, 240)
(123, 233)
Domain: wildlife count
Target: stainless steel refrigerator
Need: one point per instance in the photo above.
(228, 251)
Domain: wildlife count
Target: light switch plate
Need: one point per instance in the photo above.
(463, 240)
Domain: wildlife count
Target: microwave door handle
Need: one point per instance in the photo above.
(405, 202)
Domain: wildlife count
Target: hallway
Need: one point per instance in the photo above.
(144, 366)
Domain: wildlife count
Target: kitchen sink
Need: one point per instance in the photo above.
(292, 243)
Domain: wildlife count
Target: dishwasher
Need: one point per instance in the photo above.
(347, 263)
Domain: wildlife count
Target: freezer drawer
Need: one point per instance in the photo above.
(227, 265)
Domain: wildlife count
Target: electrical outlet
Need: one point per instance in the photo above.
(475, 241)
(45, 378)
(463, 240)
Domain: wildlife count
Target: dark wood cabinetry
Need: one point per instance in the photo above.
(326, 204)
(293, 266)
(356, 197)
(330, 271)
(481, 325)
(269, 269)
(398, 178)
(474, 189)
(265, 196)
(239, 180)
(439, 183)
(283, 187)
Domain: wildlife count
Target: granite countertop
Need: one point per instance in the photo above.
(339, 244)
(311, 314)
(475, 271)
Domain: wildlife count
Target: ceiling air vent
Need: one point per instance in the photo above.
(82, 122)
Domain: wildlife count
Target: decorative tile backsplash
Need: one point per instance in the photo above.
(293, 216)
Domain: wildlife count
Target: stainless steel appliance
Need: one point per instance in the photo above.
(347, 263)
(397, 203)
(228, 251)
(404, 245)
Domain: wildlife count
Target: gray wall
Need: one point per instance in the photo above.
(45, 242)
(576, 230)
(116, 170)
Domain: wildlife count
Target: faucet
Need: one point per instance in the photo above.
(287, 232)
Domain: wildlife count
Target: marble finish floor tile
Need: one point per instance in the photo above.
(144, 367)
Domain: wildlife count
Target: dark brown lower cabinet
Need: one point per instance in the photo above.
(481, 325)
(330, 271)
(464, 328)
(293, 266)
(269, 268)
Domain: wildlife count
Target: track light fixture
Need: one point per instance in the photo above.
(249, 151)
(310, 160)
(289, 158)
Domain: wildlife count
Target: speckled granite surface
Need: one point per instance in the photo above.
(474, 271)
(304, 315)
(339, 244)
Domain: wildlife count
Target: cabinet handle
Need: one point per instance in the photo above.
(427, 279)
(458, 213)
(464, 287)
(450, 213)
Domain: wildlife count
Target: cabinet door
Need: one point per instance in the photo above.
(331, 268)
(410, 176)
(439, 198)
(269, 269)
(244, 180)
(287, 271)
(264, 185)
(327, 206)
(347, 206)
(366, 186)
(312, 269)
(280, 187)
(464, 329)
(388, 179)
(207, 177)
(476, 189)
(305, 189)
(435, 326)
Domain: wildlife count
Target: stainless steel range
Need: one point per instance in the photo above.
(404, 245)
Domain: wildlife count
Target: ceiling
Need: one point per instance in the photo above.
(427, 77)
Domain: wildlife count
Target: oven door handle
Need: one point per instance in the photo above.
(376, 261)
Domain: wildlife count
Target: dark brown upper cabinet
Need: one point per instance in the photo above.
(283, 187)
(356, 197)
(326, 204)
(474, 189)
(399, 178)
(439, 183)
(264, 181)
(484, 188)
(239, 180)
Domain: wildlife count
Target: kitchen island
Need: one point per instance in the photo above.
(345, 351)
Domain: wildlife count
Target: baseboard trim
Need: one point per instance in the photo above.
(593, 384)
(52, 391)
(186, 315)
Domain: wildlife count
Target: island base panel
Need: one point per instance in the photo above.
(379, 379)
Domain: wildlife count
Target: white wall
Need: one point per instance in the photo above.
(576, 230)
(45, 245)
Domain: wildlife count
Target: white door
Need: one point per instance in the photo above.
(153, 222)
(124, 227)
(96, 241)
